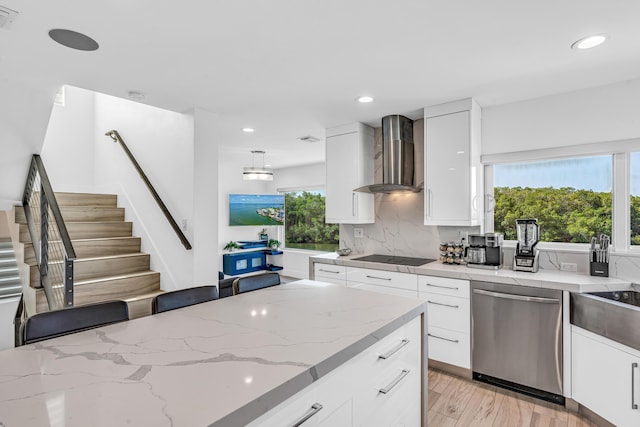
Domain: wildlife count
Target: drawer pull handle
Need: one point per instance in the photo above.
(328, 271)
(395, 382)
(379, 278)
(446, 305)
(443, 287)
(394, 350)
(634, 405)
(442, 338)
(315, 408)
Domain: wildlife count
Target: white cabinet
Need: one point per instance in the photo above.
(367, 390)
(349, 165)
(606, 377)
(335, 274)
(388, 282)
(449, 319)
(453, 172)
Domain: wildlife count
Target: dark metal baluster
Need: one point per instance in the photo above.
(44, 234)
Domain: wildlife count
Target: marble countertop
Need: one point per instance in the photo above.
(220, 363)
(551, 279)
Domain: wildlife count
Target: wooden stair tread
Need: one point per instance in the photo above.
(144, 296)
(116, 277)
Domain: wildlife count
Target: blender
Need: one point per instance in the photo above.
(526, 255)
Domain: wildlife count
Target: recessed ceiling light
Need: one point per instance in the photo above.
(364, 99)
(248, 130)
(73, 39)
(589, 42)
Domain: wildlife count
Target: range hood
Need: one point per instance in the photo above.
(397, 157)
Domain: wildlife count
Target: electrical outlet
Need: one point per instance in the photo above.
(569, 266)
(358, 232)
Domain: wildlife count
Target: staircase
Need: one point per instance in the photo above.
(109, 264)
(9, 275)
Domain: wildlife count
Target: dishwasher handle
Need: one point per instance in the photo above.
(517, 297)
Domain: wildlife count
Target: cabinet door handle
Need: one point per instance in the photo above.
(443, 304)
(395, 382)
(634, 405)
(315, 408)
(379, 278)
(442, 338)
(328, 271)
(443, 287)
(394, 350)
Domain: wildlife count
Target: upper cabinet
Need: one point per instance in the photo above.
(350, 165)
(453, 173)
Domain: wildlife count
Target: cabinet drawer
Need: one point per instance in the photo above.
(444, 286)
(383, 290)
(372, 407)
(391, 279)
(450, 347)
(330, 273)
(447, 312)
(400, 348)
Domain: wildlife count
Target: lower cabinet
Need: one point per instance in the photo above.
(379, 387)
(605, 377)
(386, 282)
(449, 319)
(335, 274)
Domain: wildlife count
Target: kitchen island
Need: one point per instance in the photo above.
(228, 362)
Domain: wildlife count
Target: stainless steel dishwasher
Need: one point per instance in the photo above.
(517, 338)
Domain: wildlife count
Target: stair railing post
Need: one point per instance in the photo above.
(68, 282)
(44, 234)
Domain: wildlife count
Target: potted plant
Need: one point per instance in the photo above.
(274, 244)
(263, 234)
(231, 246)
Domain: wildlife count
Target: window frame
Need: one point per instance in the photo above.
(282, 229)
(620, 152)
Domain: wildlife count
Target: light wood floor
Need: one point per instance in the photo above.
(454, 401)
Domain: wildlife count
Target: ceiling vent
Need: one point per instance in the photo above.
(6, 17)
(308, 138)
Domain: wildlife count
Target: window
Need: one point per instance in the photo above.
(571, 197)
(634, 199)
(304, 222)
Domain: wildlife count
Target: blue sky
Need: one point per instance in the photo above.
(590, 173)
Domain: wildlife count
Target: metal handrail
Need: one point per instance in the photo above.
(115, 136)
(62, 277)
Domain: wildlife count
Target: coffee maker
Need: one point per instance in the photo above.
(485, 251)
(526, 255)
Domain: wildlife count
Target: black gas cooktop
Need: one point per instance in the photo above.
(399, 260)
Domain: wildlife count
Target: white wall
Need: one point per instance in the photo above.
(24, 115)
(68, 149)
(163, 143)
(605, 113)
(205, 201)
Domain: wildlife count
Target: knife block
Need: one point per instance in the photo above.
(599, 269)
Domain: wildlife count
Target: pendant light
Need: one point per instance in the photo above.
(257, 174)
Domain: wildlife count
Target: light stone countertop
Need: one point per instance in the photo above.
(220, 363)
(551, 279)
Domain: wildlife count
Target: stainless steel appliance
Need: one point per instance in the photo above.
(485, 251)
(526, 255)
(397, 157)
(517, 338)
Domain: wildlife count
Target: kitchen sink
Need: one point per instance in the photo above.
(626, 297)
(613, 315)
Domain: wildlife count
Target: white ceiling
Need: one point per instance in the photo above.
(290, 68)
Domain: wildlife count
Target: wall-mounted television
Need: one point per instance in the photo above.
(256, 209)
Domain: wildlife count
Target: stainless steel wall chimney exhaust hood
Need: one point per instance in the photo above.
(397, 157)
